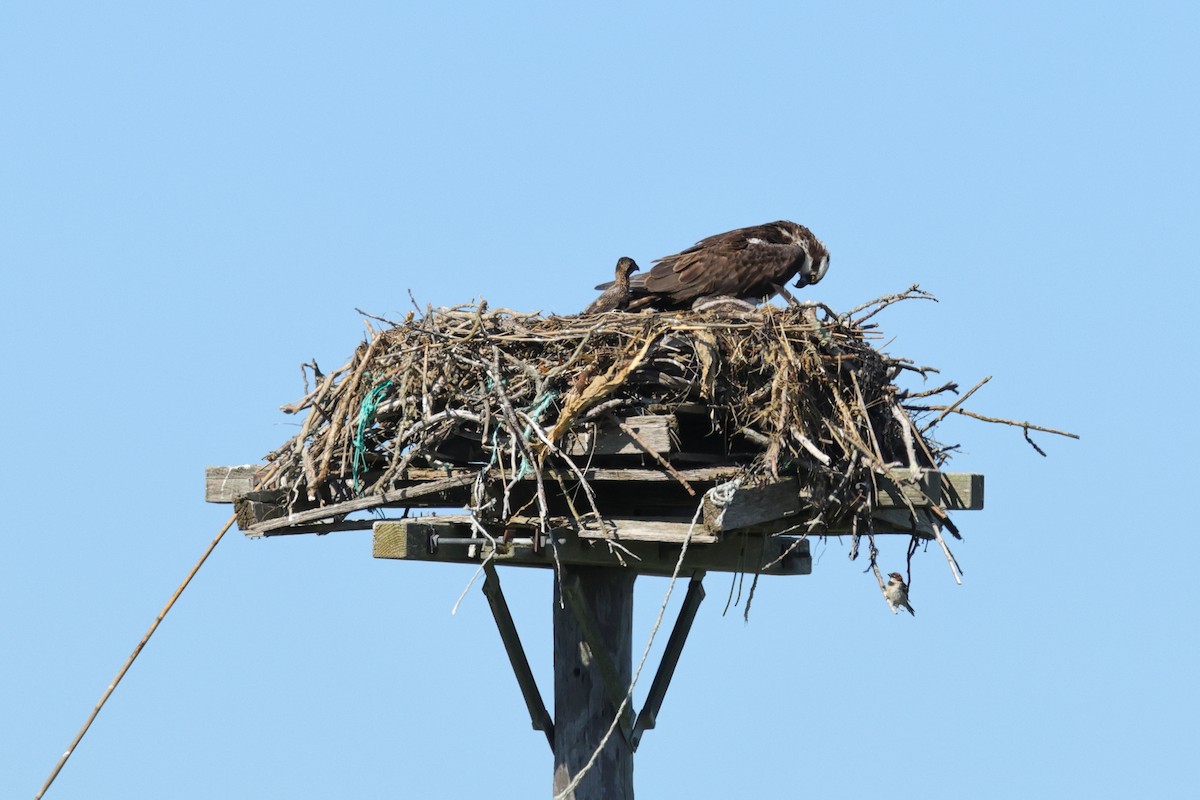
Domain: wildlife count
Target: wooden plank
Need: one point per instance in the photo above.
(753, 506)
(225, 484)
(659, 432)
(647, 530)
(409, 540)
(628, 492)
(783, 500)
(701, 475)
(959, 491)
(237, 484)
(664, 530)
(894, 520)
(962, 491)
(319, 528)
(953, 491)
(622, 529)
(361, 504)
(254, 508)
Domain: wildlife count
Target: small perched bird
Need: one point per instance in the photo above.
(616, 295)
(745, 266)
(896, 593)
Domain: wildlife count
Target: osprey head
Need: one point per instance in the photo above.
(815, 264)
(626, 265)
(896, 577)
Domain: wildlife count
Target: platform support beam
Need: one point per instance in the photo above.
(538, 714)
(670, 659)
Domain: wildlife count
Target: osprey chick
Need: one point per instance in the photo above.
(748, 265)
(616, 296)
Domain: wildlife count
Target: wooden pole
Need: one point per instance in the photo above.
(583, 704)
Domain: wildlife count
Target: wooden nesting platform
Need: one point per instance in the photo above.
(648, 501)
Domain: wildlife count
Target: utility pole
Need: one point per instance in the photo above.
(590, 681)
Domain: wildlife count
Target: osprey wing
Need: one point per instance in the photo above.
(747, 262)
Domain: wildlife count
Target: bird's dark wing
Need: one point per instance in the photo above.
(741, 263)
(748, 264)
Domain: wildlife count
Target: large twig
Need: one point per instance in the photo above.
(1028, 426)
(954, 406)
(880, 303)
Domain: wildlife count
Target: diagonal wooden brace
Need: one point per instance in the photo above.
(666, 668)
(601, 657)
(516, 654)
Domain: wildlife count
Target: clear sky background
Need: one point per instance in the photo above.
(194, 198)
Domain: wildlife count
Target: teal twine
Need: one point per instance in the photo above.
(535, 411)
(366, 416)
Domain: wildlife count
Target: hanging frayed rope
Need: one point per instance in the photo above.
(132, 657)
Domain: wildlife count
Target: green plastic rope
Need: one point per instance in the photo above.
(366, 417)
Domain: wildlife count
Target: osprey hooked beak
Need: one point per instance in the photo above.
(811, 273)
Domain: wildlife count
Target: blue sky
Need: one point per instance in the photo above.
(194, 198)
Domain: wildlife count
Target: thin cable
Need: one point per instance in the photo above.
(132, 656)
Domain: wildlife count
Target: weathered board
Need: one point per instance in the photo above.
(412, 540)
(226, 484)
(954, 491)
(651, 496)
(657, 432)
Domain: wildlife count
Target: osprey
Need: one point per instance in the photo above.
(616, 296)
(747, 265)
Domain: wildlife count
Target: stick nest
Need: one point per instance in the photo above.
(783, 391)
